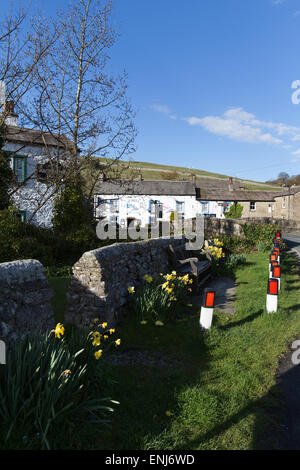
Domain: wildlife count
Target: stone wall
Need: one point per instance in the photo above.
(24, 299)
(99, 286)
(214, 227)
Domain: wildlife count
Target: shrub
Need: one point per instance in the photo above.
(234, 260)
(47, 379)
(235, 211)
(156, 300)
(256, 233)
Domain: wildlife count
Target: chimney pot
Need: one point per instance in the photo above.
(11, 118)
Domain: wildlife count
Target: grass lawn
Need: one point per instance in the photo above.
(220, 386)
(59, 301)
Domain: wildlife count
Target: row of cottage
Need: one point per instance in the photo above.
(142, 201)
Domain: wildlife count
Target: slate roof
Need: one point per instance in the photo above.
(205, 190)
(36, 137)
(147, 187)
(236, 195)
(286, 192)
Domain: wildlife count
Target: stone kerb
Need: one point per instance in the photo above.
(99, 286)
(24, 299)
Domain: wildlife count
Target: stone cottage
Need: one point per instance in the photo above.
(31, 154)
(151, 201)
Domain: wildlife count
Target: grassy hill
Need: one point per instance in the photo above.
(155, 171)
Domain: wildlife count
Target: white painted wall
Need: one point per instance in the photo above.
(137, 207)
(28, 196)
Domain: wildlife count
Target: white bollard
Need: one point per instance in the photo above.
(207, 309)
(272, 295)
(206, 317)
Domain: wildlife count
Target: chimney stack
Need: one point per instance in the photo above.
(230, 185)
(11, 118)
(101, 176)
(139, 177)
(193, 178)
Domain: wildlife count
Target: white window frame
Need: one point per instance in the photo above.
(251, 208)
(283, 204)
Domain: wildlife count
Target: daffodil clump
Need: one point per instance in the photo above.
(214, 248)
(157, 299)
(101, 336)
(54, 380)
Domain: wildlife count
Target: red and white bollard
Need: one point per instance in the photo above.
(276, 274)
(273, 257)
(272, 295)
(276, 250)
(207, 309)
(273, 263)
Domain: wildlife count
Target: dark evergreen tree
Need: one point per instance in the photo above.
(71, 209)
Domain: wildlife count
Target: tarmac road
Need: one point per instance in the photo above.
(292, 241)
(288, 377)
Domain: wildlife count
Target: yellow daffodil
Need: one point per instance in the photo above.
(59, 330)
(143, 322)
(111, 331)
(131, 290)
(65, 373)
(169, 413)
(96, 334)
(174, 273)
(96, 320)
(104, 325)
(105, 336)
(159, 323)
(98, 354)
(149, 279)
(118, 342)
(96, 342)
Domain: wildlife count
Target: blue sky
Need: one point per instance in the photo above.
(211, 81)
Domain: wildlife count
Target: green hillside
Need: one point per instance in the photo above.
(155, 171)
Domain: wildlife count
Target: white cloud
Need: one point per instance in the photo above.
(297, 153)
(240, 125)
(161, 108)
(164, 109)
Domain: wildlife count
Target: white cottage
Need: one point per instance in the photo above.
(146, 201)
(30, 151)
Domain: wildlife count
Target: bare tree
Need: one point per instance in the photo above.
(75, 95)
(64, 90)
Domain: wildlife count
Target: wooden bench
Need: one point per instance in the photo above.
(184, 263)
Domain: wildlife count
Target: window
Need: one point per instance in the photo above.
(22, 215)
(156, 209)
(283, 203)
(114, 205)
(252, 206)
(179, 206)
(19, 167)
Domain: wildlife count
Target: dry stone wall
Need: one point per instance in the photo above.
(99, 286)
(24, 299)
